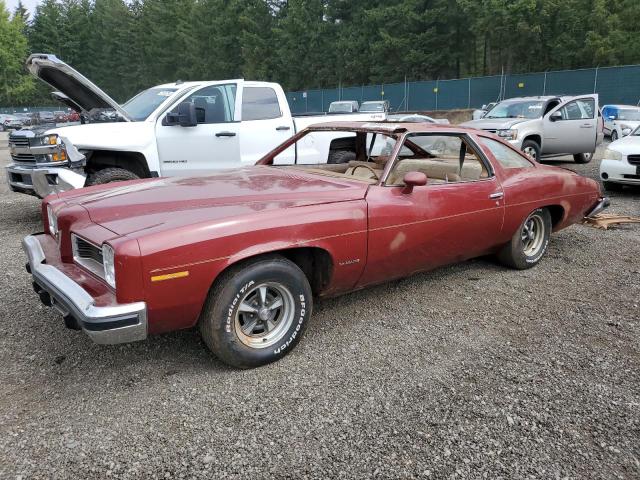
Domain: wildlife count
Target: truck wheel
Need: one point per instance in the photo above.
(256, 312)
(614, 135)
(583, 157)
(341, 156)
(612, 187)
(110, 175)
(532, 149)
(529, 244)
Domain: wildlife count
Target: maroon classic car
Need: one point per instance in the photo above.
(243, 253)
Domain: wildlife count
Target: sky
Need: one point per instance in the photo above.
(30, 4)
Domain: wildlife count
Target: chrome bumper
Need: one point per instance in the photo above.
(105, 325)
(602, 204)
(43, 181)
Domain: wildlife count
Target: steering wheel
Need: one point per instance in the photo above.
(375, 175)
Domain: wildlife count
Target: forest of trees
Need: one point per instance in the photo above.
(127, 45)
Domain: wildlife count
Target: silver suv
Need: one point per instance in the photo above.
(547, 126)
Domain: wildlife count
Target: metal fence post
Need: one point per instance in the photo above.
(469, 98)
(595, 80)
(544, 85)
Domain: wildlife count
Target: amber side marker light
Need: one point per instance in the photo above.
(169, 276)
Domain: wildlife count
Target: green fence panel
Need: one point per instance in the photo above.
(571, 82)
(524, 85)
(352, 93)
(394, 92)
(484, 90)
(329, 95)
(421, 96)
(296, 102)
(453, 94)
(619, 85)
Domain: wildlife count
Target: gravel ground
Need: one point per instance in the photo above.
(470, 371)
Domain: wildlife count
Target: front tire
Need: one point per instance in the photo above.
(110, 175)
(614, 135)
(583, 157)
(532, 149)
(256, 312)
(529, 244)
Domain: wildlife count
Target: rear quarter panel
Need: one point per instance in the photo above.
(206, 250)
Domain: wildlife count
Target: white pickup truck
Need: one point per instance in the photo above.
(175, 129)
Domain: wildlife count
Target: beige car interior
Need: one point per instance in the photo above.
(454, 162)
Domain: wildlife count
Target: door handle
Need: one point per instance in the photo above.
(226, 134)
(586, 125)
(497, 195)
(283, 128)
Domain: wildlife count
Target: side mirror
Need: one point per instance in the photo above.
(484, 107)
(186, 116)
(555, 116)
(413, 179)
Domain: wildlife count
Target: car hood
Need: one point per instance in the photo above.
(629, 145)
(629, 123)
(159, 204)
(71, 83)
(494, 123)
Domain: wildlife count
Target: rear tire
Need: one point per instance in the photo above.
(529, 244)
(612, 187)
(110, 175)
(532, 149)
(256, 312)
(583, 157)
(614, 135)
(341, 156)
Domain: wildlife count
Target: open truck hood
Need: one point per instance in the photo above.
(71, 83)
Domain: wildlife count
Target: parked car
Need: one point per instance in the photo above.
(481, 112)
(620, 120)
(3, 118)
(348, 106)
(620, 163)
(375, 106)
(547, 126)
(46, 117)
(243, 253)
(73, 116)
(13, 122)
(25, 118)
(182, 128)
(60, 116)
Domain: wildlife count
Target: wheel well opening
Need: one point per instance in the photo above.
(557, 214)
(316, 264)
(135, 162)
(535, 138)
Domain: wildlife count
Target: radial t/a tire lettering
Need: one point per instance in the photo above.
(256, 312)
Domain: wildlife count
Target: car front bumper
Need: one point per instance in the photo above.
(43, 181)
(114, 323)
(619, 171)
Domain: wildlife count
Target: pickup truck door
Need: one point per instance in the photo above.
(266, 122)
(213, 144)
(572, 126)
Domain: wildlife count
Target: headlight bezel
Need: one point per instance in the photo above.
(52, 221)
(507, 133)
(109, 264)
(610, 154)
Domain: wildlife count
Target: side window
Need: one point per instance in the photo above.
(551, 105)
(503, 154)
(442, 158)
(578, 109)
(214, 104)
(260, 103)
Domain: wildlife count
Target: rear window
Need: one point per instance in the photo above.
(260, 103)
(506, 156)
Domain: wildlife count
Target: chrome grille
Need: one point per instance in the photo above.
(87, 255)
(19, 141)
(633, 159)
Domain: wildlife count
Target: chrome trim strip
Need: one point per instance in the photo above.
(69, 297)
(602, 204)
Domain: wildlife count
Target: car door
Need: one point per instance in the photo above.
(451, 218)
(264, 124)
(609, 117)
(572, 127)
(212, 144)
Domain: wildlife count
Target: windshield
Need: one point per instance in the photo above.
(372, 107)
(527, 109)
(345, 107)
(630, 115)
(143, 104)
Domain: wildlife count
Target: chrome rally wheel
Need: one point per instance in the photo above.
(265, 315)
(532, 235)
(530, 241)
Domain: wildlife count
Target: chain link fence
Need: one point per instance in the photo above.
(613, 84)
